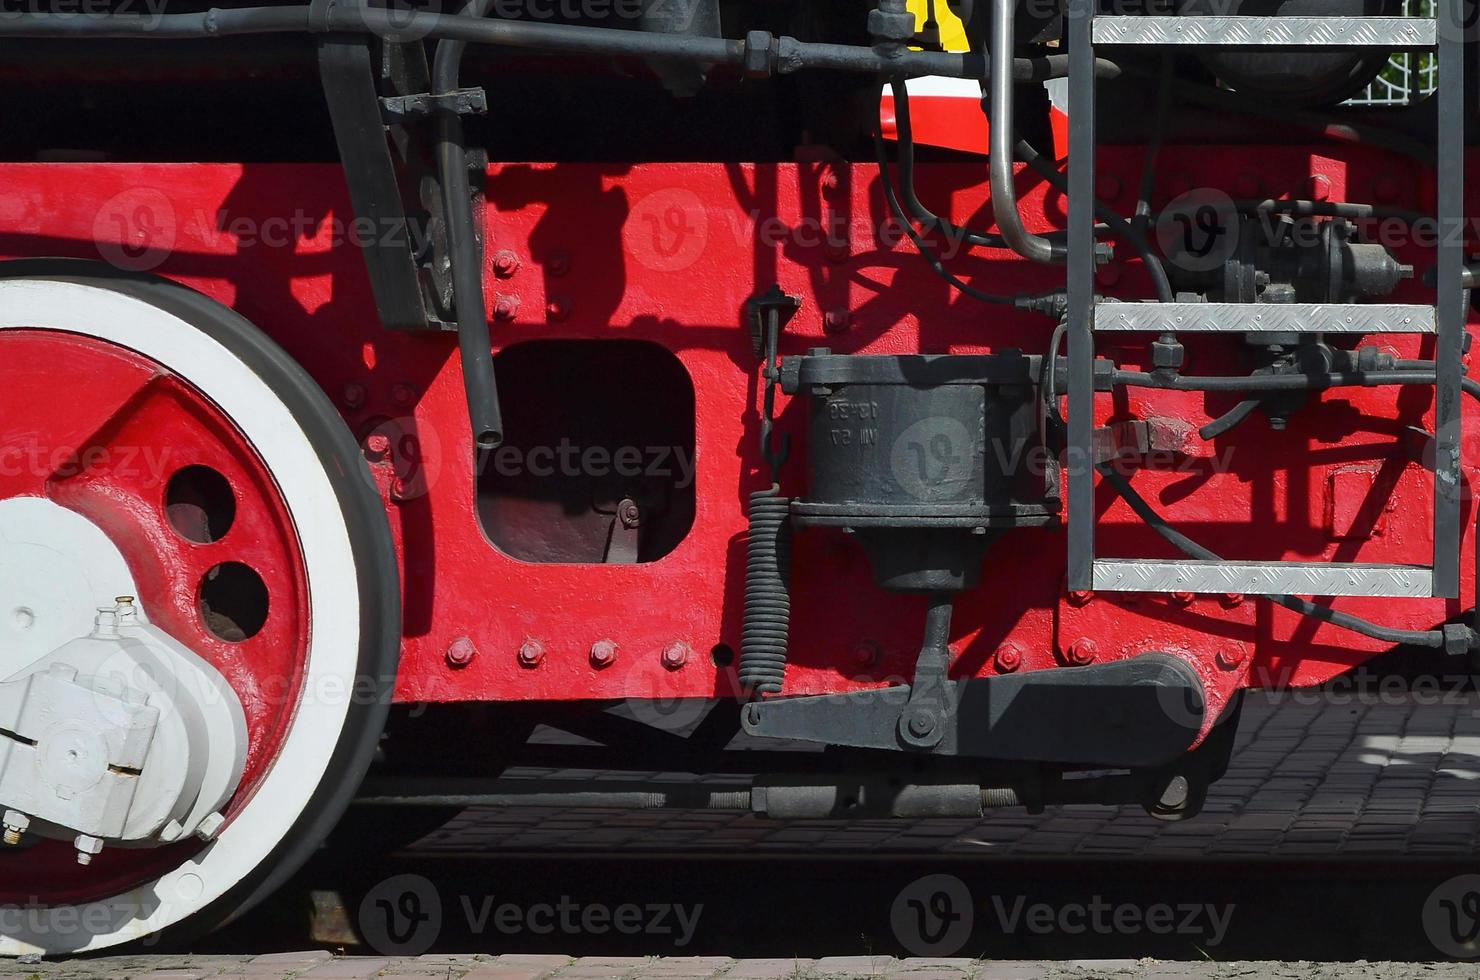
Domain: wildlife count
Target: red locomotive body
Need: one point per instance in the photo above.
(670, 337)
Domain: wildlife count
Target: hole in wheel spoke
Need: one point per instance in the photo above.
(233, 602)
(199, 504)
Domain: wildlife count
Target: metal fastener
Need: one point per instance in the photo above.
(505, 263)
(460, 653)
(603, 654)
(675, 655)
(531, 653)
(1082, 652)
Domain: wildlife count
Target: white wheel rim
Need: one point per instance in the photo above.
(332, 660)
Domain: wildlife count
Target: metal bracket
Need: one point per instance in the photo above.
(1141, 712)
(396, 109)
(405, 255)
(768, 314)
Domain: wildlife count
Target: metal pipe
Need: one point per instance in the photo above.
(1004, 195)
(1273, 382)
(780, 55)
(473, 343)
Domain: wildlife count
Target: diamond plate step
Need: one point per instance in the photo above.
(1375, 32)
(1266, 317)
(1263, 578)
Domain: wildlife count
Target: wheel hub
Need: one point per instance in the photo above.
(120, 734)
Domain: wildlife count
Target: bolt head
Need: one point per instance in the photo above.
(353, 395)
(1082, 652)
(531, 653)
(505, 263)
(377, 445)
(1230, 657)
(1183, 598)
(675, 655)
(921, 724)
(1080, 597)
(629, 513)
(1319, 187)
(506, 307)
(403, 394)
(460, 653)
(558, 264)
(87, 847)
(1009, 658)
(836, 321)
(558, 308)
(603, 654)
(1231, 600)
(866, 654)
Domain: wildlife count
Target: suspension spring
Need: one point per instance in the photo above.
(767, 594)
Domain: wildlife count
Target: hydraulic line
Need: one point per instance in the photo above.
(1190, 548)
(1036, 248)
(905, 137)
(1272, 382)
(1117, 225)
(462, 245)
(923, 247)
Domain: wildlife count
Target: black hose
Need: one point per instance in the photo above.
(905, 137)
(1190, 548)
(473, 341)
(763, 637)
(1118, 225)
(1229, 419)
(926, 252)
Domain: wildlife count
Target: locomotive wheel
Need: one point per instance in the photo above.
(247, 519)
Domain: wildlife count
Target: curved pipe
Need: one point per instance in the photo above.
(1004, 196)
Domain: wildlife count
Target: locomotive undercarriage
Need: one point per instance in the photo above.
(840, 409)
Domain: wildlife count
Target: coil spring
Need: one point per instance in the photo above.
(767, 594)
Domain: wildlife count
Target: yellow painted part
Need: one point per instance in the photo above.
(952, 31)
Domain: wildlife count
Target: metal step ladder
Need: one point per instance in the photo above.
(1442, 33)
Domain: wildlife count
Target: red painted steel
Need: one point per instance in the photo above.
(669, 253)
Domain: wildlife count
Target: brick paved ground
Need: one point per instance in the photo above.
(314, 965)
(1313, 775)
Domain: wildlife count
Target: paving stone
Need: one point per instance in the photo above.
(348, 968)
